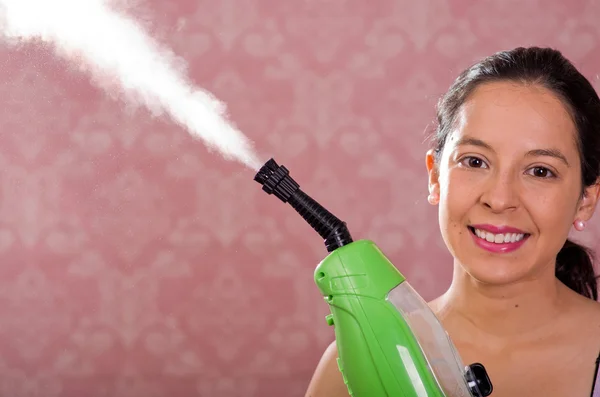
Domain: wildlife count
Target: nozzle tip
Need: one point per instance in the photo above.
(265, 172)
(276, 180)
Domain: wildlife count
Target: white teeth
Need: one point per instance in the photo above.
(499, 238)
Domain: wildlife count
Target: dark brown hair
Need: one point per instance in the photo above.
(548, 68)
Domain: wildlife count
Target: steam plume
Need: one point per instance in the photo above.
(116, 51)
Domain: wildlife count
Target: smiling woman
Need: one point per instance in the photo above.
(515, 165)
(521, 139)
(493, 186)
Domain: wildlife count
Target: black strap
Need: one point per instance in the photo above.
(596, 381)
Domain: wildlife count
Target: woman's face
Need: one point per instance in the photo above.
(508, 183)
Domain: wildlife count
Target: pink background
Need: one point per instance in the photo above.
(133, 262)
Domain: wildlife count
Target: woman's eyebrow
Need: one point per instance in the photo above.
(467, 140)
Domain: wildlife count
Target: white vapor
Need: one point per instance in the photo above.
(118, 53)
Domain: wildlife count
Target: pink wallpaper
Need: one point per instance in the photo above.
(134, 262)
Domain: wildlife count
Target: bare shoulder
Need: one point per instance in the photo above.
(589, 310)
(594, 307)
(592, 317)
(584, 334)
(327, 380)
(593, 314)
(585, 321)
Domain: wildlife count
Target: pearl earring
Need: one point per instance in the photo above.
(579, 225)
(432, 199)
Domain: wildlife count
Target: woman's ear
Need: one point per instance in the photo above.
(434, 185)
(588, 203)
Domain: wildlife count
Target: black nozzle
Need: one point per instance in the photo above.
(276, 180)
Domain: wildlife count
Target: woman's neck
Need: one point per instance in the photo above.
(504, 313)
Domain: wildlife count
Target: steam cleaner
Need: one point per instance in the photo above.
(389, 342)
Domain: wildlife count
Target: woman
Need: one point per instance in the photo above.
(515, 165)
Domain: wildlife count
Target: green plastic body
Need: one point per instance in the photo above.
(379, 353)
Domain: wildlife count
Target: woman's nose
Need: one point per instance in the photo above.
(501, 192)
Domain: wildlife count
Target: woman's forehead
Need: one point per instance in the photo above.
(514, 115)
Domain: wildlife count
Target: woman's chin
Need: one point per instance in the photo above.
(496, 274)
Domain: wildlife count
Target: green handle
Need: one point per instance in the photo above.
(378, 353)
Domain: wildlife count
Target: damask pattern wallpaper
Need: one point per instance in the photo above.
(134, 262)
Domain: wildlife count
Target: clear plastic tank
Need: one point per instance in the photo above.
(447, 366)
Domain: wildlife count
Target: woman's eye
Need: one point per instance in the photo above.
(473, 162)
(541, 172)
